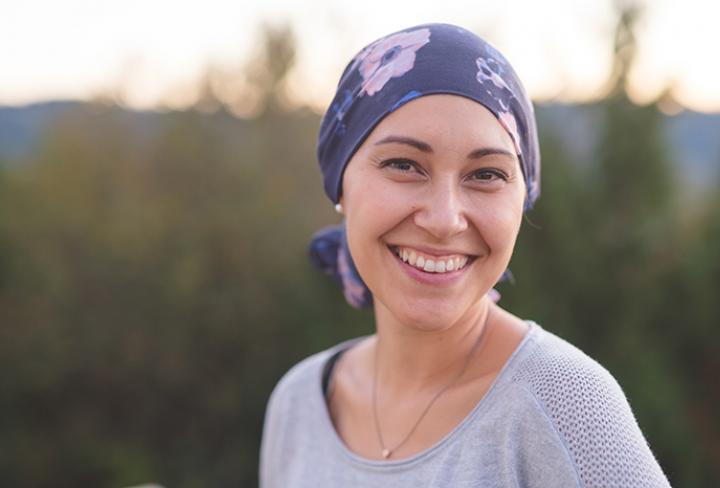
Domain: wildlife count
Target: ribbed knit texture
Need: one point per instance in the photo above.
(554, 417)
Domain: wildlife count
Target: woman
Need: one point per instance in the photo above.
(430, 152)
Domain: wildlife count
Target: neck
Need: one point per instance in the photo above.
(410, 360)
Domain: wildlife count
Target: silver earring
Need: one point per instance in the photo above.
(338, 208)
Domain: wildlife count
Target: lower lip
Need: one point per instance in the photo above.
(438, 279)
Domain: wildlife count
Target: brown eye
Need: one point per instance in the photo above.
(403, 165)
(488, 175)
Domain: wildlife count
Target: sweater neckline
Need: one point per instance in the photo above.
(356, 459)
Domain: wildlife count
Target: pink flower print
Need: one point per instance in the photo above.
(390, 57)
(507, 120)
(487, 73)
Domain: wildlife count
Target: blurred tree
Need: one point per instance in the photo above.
(160, 287)
(693, 336)
(607, 238)
(269, 71)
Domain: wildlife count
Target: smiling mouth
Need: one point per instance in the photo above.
(431, 264)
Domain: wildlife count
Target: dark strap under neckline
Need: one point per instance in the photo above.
(328, 371)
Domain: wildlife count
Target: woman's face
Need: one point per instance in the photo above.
(437, 180)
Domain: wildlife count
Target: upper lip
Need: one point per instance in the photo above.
(434, 251)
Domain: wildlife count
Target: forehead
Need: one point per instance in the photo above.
(445, 120)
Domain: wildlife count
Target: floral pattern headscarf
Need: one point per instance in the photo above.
(386, 74)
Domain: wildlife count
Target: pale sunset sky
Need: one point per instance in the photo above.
(150, 53)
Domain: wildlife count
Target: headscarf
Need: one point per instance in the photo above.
(382, 77)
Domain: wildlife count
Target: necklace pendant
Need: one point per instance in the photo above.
(385, 453)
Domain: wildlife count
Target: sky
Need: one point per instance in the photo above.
(150, 53)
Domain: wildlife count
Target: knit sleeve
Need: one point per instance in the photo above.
(592, 416)
(279, 437)
(271, 443)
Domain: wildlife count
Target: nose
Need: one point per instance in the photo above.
(441, 212)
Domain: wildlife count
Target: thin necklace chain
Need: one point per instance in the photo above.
(387, 452)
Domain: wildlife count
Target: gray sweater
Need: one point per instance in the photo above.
(553, 417)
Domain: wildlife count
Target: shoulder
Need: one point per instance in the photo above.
(590, 413)
(303, 377)
(579, 395)
(563, 376)
(292, 411)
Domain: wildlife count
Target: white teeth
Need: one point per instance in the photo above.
(431, 265)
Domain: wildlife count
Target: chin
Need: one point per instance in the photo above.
(429, 314)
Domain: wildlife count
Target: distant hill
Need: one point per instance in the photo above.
(21, 127)
(694, 138)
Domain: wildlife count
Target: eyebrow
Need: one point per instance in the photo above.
(426, 148)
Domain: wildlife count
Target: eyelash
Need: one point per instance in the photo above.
(392, 163)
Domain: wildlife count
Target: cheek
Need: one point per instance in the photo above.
(372, 208)
(499, 224)
(376, 201)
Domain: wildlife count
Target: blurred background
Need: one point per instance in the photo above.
(158, 189)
